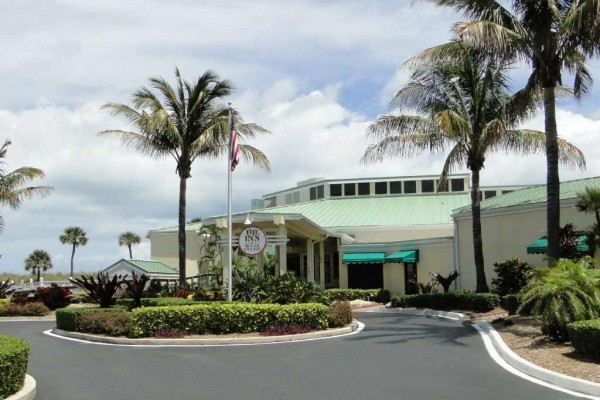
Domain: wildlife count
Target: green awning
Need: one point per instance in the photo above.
(363, 258)
(405, 256)
(540, 246)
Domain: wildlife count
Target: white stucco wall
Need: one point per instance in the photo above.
(164, 247)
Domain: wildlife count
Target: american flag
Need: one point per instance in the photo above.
(233, 146)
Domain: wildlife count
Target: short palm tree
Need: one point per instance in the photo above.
(554, 36)
(589, 202)
(38, 261)
(12, 184)
(128, 239)
(186, 122)
(75, 236)
(462, 104)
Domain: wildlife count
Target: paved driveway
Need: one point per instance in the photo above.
(394, 357)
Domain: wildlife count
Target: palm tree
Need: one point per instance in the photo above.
(462, 104)
(553, 36)
(38, 261)
(12, 184)
(76, 237)
(128, 239)
(185, 122)
(589, 202)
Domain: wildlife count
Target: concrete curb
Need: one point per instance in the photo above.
(28, 392)
(528, 368)
(414, 311)
(208, 342)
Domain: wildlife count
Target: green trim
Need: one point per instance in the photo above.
(406, 256)
(363, 258)
(540, 246)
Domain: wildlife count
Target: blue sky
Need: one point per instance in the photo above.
(315, 73)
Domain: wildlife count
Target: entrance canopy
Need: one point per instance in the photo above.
(406, 256)
(363, 258)
(540, 246)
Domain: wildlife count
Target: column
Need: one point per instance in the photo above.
(322, 277)
(260, 262)
(282, 250)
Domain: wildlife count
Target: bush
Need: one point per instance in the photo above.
(54, 296)
(510, 303)
(280, 330)
(378, 295)
(156, 302)
(103, 290)
(340, 314)
(105, 323)
(221, 318)
(512, 276)
(20, 298)
(135, 287)
(69, 319)
(585, 338)
(154, 289)
(209, 293)
(23, 310)
(565, 293)
(14, 355)
(459, 300)
(182, 293)
(289, 289)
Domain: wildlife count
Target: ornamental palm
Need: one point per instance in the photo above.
(128, 239)
(185, 122)
(589, 202)
(464, 105)
(12, 189)
(38, 261)
(76, 237)
(553, 36)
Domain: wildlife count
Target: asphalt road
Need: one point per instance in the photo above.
(395, 357)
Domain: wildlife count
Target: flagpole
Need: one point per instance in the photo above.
(229, 224)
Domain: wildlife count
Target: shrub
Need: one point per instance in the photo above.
(23, 310)
(290, 329)
(221, 318)
(459, 300)
(249, 285)
(4, 301)
(585, 338)
(209, 293)
(69, 319)
(182, 293)
(135, 287)
(156, 302)
(512, 276)
(103, 290)
(14, 355)
(154, 289)
(378, 295)
(54, 296)
(510, 303)
(340, 314)
(565, 293)
(6, 288)
(288, 289)
(105, 323)
(20, 298)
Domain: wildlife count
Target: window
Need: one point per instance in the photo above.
(320, 192)
(335, 190)
(395, 187)
(489, 194)
(364, 188)
(316, 192)
(458, 185)
(271, 202)
(296, 197)
(349, 189)
(410, 186)
(427, 186)
(381, 188)
(313, 193)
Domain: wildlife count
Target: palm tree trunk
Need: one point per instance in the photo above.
(481, 282)
(72, 257)
(552, 179)
(182, 206)
(129, 247)
(39, 274)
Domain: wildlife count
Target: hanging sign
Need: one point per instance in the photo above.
(252, 241)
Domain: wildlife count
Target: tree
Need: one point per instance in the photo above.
(589, 202)
(12, 184)
(38, 261)
(461, 96)
(554, 37)
(128, 239)
(185, 122)
(76, 237)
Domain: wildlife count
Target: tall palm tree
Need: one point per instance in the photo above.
(76, 237)
(185, 122)
(462, 104)
(38, 261)
(554, 36)
(12, 184)
(128, 239)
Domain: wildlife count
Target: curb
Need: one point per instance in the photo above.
(528, 368)
(28, 392)
(208, 342)
(414, 311)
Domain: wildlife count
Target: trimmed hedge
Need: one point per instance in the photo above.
(34, 309)
(221, 318)
(468, 301)
(69, 319)
(14, 356)
(378, 295)
(585, 337)
(157, 302)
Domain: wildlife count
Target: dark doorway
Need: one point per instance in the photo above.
(293, 263)
(365, 276)
(410, 275)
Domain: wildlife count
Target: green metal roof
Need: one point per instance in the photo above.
(540, 246)
(376, 211)
(363, 258)
(535, 194)
(153, 267)
(191, 226)
(403, 256)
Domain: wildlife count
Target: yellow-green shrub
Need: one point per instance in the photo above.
(14, 355)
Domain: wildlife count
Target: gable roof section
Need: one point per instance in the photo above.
(152, 267)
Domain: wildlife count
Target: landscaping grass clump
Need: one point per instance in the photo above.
(14, 356)
(281, 330)
(340, 314)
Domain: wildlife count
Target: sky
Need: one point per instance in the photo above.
(314, 73)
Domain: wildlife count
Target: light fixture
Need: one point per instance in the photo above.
(248, 220)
